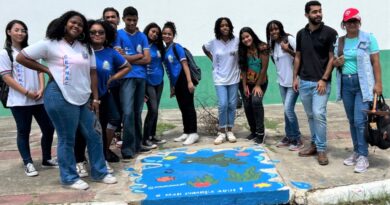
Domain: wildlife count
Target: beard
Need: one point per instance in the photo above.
(315, 21)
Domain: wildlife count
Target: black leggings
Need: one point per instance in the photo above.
(154, 95)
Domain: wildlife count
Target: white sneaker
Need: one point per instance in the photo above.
(181, 138)
(109, 169)
(51, 163)
(230, 137)
(81, 169)
(350, 161)
(109, 179)
(192, 138)
(78, 185)
(220, 138)
(30, 170)
(361, 164)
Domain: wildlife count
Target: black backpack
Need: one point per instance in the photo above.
(4, 88)
(196, 72)
(378, 125)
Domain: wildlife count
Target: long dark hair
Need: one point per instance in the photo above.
(243, 49)
(8, 40)
(56, 31)
(170, 25)
(282, 33)
(158, 41)
(108, 29)
(217, 28)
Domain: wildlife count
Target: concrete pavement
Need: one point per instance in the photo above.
(309, 182)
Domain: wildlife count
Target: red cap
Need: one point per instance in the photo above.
(351, 13)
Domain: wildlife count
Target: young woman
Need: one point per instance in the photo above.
(25, 97)
(358, 77)
(154, 84)
(282, 46)
(253, 61)
(181, 83)
(71, 67)
(222, 51)
(110, 66)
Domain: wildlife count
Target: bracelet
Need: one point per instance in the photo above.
(96, 101)
(25, 94)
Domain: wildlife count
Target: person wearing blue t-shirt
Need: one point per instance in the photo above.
(358, 77)
(154, 84)
(136, 51)
(110, 66)
(181, 84)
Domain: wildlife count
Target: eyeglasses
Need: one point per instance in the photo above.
(94, 33)
(352, 21)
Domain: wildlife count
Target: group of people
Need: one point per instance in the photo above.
(92, 66)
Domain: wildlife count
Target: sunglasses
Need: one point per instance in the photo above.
(94, 33)
(352, 21)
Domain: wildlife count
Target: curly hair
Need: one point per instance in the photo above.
(217, 28)
(158, 41)
(261, 47)
(108, 29)
(56, 31)
(170, 25)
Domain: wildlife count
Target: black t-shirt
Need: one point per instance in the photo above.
(315, 47)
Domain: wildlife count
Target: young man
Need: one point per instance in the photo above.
(136, 51)
(313, 63)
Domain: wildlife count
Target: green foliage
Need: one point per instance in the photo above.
(249, 174)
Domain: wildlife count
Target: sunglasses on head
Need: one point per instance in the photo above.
(94, 33)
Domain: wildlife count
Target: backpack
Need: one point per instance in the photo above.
(4, 88)
(377, 130)
(195, 71)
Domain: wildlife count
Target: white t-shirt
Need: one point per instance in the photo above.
(70, 66)
(225, 61)
(26, 77)
(284, 63)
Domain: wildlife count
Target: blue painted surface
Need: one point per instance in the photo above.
(301, 185)
(223, 177)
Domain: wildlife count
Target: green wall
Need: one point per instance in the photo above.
(205, 92)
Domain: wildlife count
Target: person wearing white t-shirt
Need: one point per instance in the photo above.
(222, 51)
(71, 66)
(282, 47)
(25, 97)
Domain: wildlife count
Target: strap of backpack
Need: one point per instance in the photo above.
(175, 52)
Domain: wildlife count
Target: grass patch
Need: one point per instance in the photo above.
(271, 124)
(382, 199)
(162, 127)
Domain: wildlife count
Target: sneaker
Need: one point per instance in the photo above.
(109, 179)
(296, 145)
(51, 163)
(192, 138)
(230, 137)
(361, 164)
(156, 140)
(220, 138)
(81, 169)
(285, 142)
(260, 138)
(111, 156)
(181, 138)
(109, 169)
(79, 185)
(251, 136)
(351, 160)
(149, 144)
(144, 150)
(118, 144)
(30, 170)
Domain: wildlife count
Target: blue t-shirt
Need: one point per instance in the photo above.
(133, 44)
(154, 70)
(350, 53)
(172, 64)
(108, 62)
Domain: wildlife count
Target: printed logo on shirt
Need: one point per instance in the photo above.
(127, 51)
(170, 58)
(85, 55)
(139, 48)
(20, 74)
(158, 54)
(66, 73)
(106, 65)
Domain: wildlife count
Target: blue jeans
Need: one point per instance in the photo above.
(289, 98)
(66, 119)
(132, 101)
(353, 105)
(315, 108)
(23, 117)
(227, 103)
